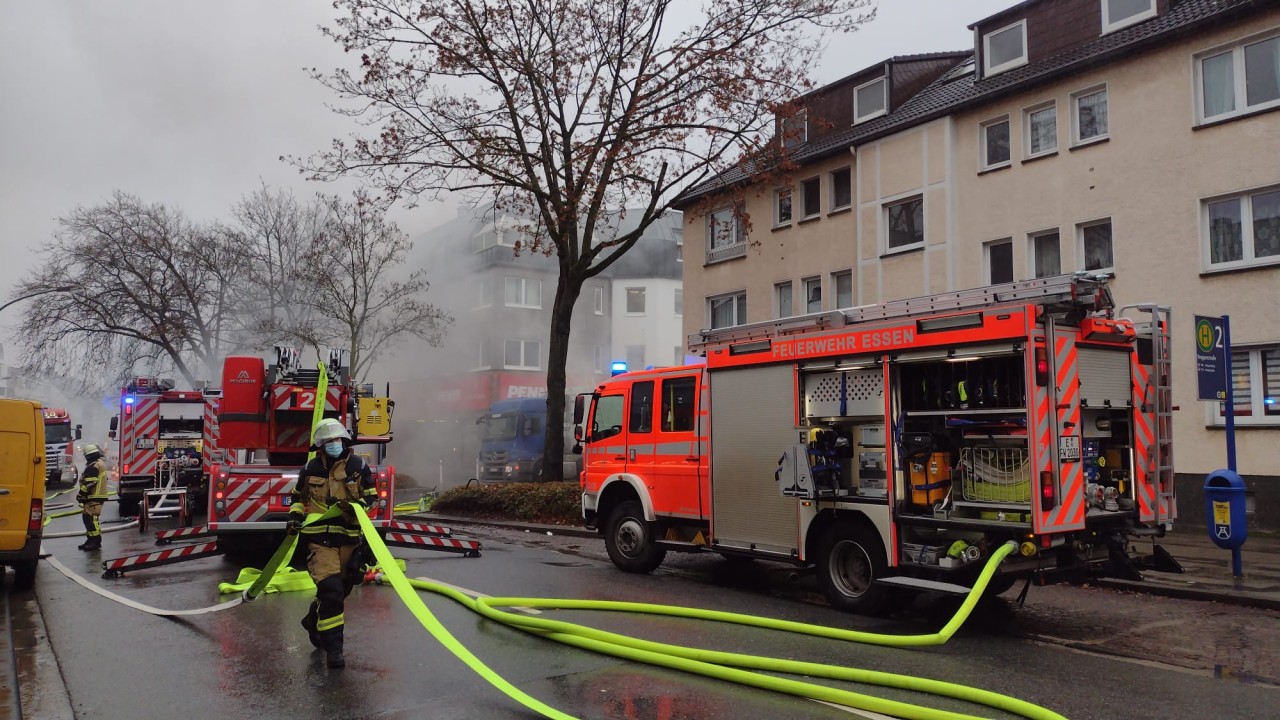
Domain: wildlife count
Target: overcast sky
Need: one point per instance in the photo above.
(191, 103)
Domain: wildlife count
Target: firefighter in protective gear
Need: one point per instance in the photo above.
(336, 476)
(92, 496)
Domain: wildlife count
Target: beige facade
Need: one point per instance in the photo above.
(1148, 176)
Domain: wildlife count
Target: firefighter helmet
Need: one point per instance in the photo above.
(329, 429)
(91, 449)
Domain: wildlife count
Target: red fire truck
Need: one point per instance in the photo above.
(265, 421)
(60, 447)
(168, 439)
(894, 447)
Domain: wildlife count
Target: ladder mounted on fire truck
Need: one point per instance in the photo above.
(1071, 296)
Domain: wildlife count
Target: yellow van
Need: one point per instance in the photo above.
(22, 488)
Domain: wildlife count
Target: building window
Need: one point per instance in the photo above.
(1118, 14)
(679, 302)
(680, 252)
(905, 223)
(483, 362)
(524, 292)
(812, 295)
(841, 189)
(870, 100)
(727, 310)
(1255, 386)
(635, 357)
(602, 359)
(1005, 48)
(1240, 80)
(1243, 230)
(795, 129)
(1090, 115)
(522, 355)
(1095, 246)
(1046, 254)
(726, 238)
(782, 207)
(598, 300)
(995, 143)
(486, 292)
(843, 283)
(782, 307)
(811, 197)
(635, 301)
(678, 356)
(998, 261)
(1041, 130)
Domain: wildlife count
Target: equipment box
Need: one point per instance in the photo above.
(923, 554)
(869, 435)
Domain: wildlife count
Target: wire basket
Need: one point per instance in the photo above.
(996, 474)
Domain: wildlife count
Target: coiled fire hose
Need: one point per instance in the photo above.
(721, 665)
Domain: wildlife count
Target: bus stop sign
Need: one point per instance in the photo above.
(1211, 358)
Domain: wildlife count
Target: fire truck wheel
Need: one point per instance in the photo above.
(999, 585)
(629, 540)
(128, 506)
(850, 560)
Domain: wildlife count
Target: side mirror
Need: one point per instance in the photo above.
(79, 428)
(579, 409)
(111, 434)
(577, 435)
(115, 423)
(577, 449)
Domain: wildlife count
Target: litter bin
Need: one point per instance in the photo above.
(1224, 508)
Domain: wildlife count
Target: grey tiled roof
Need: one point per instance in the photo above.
(949, 93)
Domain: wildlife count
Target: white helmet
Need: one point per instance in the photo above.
(329, 429)
(91, 449)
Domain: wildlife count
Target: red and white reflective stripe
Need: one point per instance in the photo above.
(181, 533)
(421, 528)
(143, 422)
(430, 541)
(134, 560)
(211, 434)
(288, 437)
(247, 500)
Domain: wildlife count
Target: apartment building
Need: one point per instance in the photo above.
(1138, 137)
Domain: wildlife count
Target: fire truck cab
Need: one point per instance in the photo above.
(894, 447)
(60, 447)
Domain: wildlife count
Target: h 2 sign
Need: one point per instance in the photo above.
(1211, 358)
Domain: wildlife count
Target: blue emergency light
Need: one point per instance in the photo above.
(618, 367)
(128, 401)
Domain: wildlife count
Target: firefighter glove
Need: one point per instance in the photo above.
(81, 498)
(295, 523)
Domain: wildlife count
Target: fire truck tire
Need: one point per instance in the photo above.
(24, 574)
(999, 585)
(629, 540)
(128, 506)
(850, 560)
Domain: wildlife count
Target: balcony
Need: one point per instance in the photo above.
(726, 252)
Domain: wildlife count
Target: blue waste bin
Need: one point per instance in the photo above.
(1224, 509)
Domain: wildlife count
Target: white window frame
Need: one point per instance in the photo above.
(1076, 141)
(724, 296)
(778, 312)
(626, 301)
(835, 290)
(807, 284)
(602, 359)
(524, 292)
(1215, 410)
(983, 164)
(778, 195)
(1027, 112)
(801, 117)
(738, 246)
(986, 259)
(484, 362)
(987, 68)
(680, 251)
(1107, 27)
(815, 181)
(486, 287)
(1248, 260)
(1081, 259)
(1031, 251)
(831, 185)
(524, 355)
(884, 105)
(884, 221)
(598, 300)
(1239, 88)
(677, 300)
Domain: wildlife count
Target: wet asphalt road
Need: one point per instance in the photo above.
(254, 660)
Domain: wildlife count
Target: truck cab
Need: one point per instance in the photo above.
(59, 446)
(511, 441)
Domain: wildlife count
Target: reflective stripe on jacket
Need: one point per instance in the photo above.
(324, 482)
(93, 481)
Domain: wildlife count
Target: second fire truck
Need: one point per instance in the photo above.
(894, 447)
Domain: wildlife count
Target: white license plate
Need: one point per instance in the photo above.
(1069, 448)
(145, 443)
(286, 500)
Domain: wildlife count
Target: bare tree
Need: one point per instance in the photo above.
(569, 113)
(353, 292)
(126, 283)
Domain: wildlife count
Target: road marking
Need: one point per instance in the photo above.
(855, 711)
(1198, 672)
(476, 593)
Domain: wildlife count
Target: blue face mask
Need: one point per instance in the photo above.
(333, 448)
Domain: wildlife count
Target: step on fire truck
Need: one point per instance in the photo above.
(60, 447)
(894, 447)
(265, 421)
(168, 440)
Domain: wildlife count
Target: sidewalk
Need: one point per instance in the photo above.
(1206, 576)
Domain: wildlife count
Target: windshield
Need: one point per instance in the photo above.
(57, 434)
(500, 427)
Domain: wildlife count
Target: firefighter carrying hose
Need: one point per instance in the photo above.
(92, 496)
(334, 476)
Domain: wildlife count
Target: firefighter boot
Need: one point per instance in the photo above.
(309, 624)
(333, 654)
(93, 543)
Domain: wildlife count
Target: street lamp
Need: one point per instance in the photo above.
(38, 293)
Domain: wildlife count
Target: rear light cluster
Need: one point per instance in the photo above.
(37, 515)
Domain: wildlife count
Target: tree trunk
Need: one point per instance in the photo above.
(568, 289)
